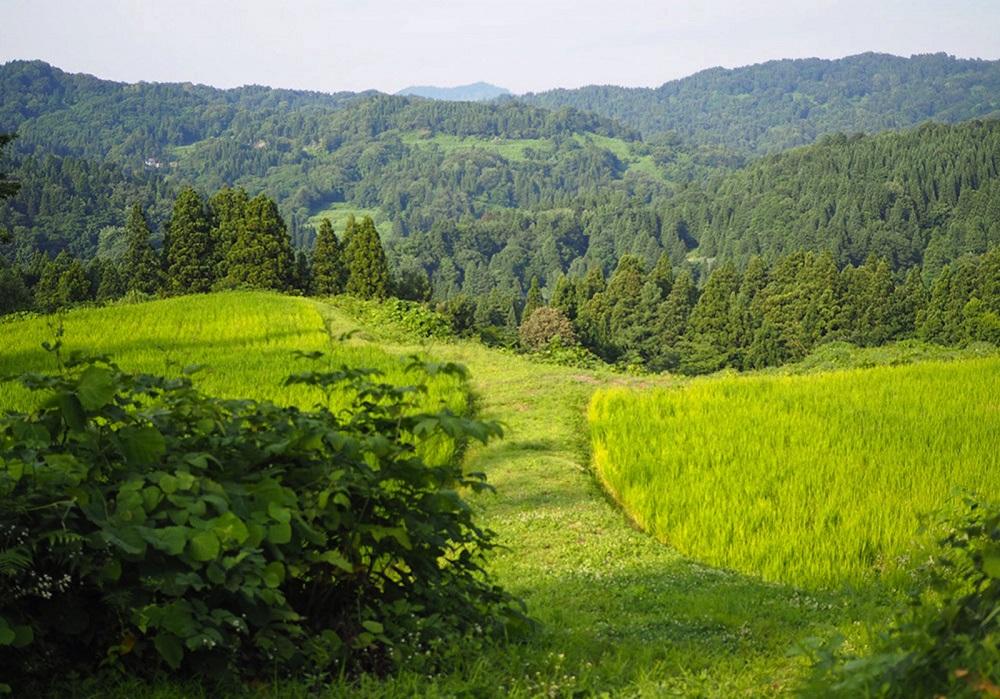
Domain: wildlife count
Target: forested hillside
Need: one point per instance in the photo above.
(491, 210)
(414, 161)
(926, 195)
(780, 104)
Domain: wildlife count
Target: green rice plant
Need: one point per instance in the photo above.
(816, 480)
(248, 343)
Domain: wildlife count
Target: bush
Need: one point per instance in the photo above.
(544, 325)
(399, 319)
(147, 527)
(946, 642)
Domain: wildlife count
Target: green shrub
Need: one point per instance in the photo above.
(398, 319)
(946, 642)
(147, 527)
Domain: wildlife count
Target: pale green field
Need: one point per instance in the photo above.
(814, 481)
(510, 149)
(245, 340)
(340, 211)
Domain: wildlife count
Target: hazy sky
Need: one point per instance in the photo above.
(520, 44)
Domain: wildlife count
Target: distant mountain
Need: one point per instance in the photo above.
(776, 105)
(476, 92)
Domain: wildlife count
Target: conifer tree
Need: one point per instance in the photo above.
(140, 266)
(593, 284)
(47, 292)
(368, 271)
(663, 275)
(533, 301)
(229, 210)
(191, 265)
(624, 304)
(14, 293)
(711, 320)
(907, 306)
(565, 296)
(110, 285)
(261, 256)
(329, 273)
(676, 309)
(74, 285)
(350, 227)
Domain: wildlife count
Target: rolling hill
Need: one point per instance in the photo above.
(776, 105)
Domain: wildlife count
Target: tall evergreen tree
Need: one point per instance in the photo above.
(229, 210)
(329, 273)
(676, 309)
(663, 274)
(710, 332)
(110, 285)
(261, 256)
(565, 296)
(74, 285)
(190, 254)
(368, 271)
(533, 301)
(140, 267)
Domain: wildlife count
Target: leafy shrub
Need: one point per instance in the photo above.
(543, 326)
(393, 317)
(147, 527)
(946, 642)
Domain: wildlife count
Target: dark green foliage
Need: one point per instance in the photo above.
(261, 255)
(946, 641)
(367, 269)
(141, 270)
(229, 209)
(110, 284)
(713, 328)
(149, 528)
(329, 272)
(190, 249)
(533, 301)
(899, 196)
(565, 296)
(8, 186)
(14, 293)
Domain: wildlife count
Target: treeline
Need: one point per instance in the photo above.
(777, 105)
(229, 240)
(766, 314)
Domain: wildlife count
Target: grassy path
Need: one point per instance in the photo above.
(622, 614)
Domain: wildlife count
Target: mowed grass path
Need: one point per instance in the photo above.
(621, 612)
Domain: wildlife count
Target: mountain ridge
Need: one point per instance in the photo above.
(473, 92)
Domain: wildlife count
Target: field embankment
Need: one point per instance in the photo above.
(813, 481)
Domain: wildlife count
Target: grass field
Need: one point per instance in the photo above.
(340, 211)
(815, 480)
(510, 149)
(245, 340)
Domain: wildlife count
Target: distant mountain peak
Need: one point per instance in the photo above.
(474, 92)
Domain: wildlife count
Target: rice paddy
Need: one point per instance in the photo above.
(813, 481)
(246, 342)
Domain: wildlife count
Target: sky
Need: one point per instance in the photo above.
(523, 45)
